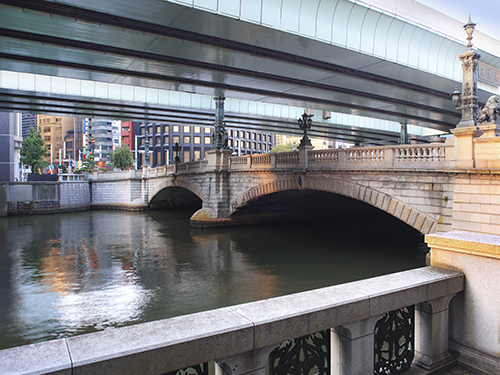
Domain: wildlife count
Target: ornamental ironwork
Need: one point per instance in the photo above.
(219, 138)
(395, 342)
(306, 355)
(305, 123)
(201, 369)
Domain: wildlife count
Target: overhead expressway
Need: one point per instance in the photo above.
(369, 68)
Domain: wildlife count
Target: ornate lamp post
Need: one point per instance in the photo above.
(146, 151)
(219, 138)
(177, 148)
(305, 124)
(468, 100)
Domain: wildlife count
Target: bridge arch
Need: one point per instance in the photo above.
(415, 218)
(174, 183)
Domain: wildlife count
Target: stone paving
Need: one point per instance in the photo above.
(457, 371)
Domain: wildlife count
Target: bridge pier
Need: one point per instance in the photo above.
(215, 209)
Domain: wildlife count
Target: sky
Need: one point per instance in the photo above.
(485, 13)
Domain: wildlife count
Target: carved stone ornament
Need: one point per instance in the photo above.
(467, 90)
(491, 110)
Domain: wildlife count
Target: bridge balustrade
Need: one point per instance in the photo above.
(287, 158)
(426, 154)
(354, 327)
(408, 156)
(70, 177)
(323, 156)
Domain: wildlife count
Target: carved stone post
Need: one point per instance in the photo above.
(470, 60)
(467, 129)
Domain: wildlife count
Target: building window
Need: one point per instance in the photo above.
(166, 129)
(158, 157)
(175, 128)
(186, 129)
(166, 157)
(197, 129)
(197, 155)
(186, 156)
(207, 140)
(186, 140)
(143, 130)
(175, 140)
(47, 138)
(207, 130)
(242, 144)
(125, 129)
(158, 140)
(197, 140)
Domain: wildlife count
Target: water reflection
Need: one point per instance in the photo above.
(75, 273)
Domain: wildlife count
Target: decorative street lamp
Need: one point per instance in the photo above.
(146, 151)
(219, 138)
(467, 101)
(177, 148)
(305, 124)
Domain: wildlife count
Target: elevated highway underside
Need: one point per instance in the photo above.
(159, 44)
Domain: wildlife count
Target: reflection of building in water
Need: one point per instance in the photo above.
(90, 270)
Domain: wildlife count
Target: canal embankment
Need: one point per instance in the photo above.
(29, 198)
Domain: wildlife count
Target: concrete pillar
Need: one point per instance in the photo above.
(303, 159)
(353, 347)
(215, 210)
(431, 333)
(3, 200)
(250, 363)
(464, 146)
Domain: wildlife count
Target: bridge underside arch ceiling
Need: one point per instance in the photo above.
(334, 55)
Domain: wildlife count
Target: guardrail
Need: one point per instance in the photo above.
(348, 323)
(70, 177)
(424, 157)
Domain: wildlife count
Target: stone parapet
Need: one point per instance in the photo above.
(240, 337)
(474, 322)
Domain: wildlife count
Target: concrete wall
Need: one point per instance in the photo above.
(475, 314)
(476, 203)
(46, 197)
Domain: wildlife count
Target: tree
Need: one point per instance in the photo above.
(283, 148)
(88, 164)
(33, 151)
(122, 157)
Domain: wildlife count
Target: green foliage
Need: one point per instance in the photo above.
(33, 151)
(283, 148)
(88, 164)
(63, 168)
(122, 157)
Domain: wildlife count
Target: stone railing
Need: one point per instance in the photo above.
(345, 325)
(433, 156)
(71, 177)
(116, 176)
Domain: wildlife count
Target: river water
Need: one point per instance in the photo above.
(68, 274)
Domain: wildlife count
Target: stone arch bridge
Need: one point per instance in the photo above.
(412, 183)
